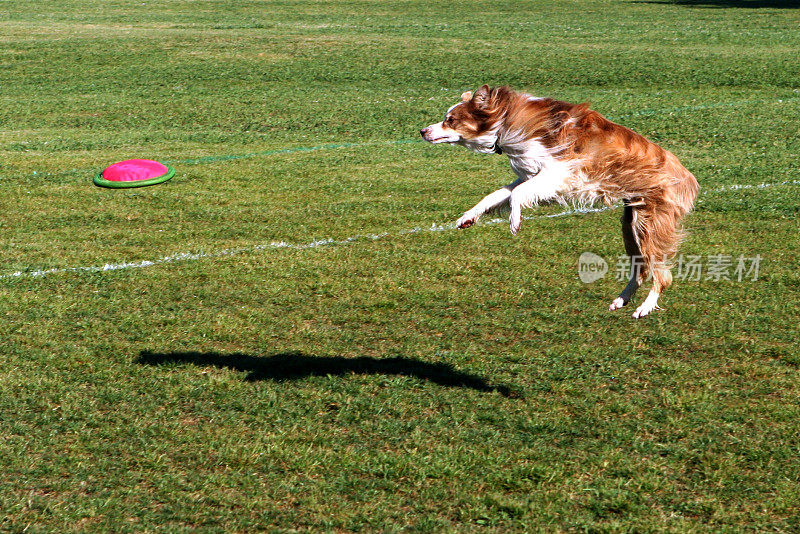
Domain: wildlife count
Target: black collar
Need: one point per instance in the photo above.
(497, 149)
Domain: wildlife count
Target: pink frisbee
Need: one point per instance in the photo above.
(134, 173)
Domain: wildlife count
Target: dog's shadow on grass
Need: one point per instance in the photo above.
(296, 365)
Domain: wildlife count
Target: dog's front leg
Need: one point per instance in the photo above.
(489, 202)
(543, 187)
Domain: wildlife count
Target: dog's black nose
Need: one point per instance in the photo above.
(423, 131)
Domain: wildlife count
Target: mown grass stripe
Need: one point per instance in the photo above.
(337, 146)
(334, 146)
(293, 150)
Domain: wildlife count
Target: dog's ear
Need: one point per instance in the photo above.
(466, 97)
(481, 97)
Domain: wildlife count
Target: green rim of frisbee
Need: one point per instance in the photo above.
(102, 182)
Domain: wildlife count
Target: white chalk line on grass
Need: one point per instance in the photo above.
(275, 245)
(735, 187)
(194, 256)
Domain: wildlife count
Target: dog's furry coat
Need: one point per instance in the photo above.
(569, 153)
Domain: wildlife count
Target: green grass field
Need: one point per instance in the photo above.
(391, 379)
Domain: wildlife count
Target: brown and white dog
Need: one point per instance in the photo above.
(569, 153)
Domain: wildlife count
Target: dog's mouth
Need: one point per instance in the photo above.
(433, 134)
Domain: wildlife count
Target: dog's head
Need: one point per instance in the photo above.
(474, 122)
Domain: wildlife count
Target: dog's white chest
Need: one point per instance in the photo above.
(533, 159)
(525, 167)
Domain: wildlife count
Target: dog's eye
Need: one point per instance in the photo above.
(450, 122)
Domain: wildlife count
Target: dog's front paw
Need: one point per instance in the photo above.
(617, 303)
(467, 220)
(515, 221)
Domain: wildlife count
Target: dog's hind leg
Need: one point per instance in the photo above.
(658, 238)
(662, 279)
(628, 220)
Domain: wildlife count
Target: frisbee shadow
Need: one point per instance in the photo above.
(287, 366)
